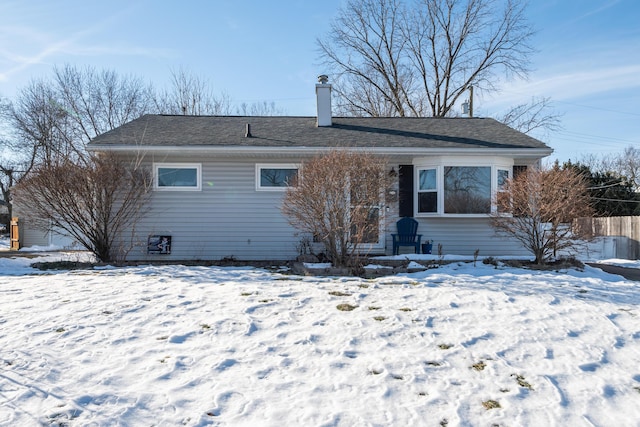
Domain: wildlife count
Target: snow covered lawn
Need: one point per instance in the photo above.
(196, 346)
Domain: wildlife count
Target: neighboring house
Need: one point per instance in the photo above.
(219, 180)
(32, 235)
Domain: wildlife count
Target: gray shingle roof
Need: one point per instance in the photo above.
(370, 132)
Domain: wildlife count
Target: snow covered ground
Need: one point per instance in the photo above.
(460, 345)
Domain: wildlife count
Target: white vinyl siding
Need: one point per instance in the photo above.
(228, 218)
(463, 236)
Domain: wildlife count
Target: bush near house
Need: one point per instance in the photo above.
(337, 198)
(93, 200)
(537, 209)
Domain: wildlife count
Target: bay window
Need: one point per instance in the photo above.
(453, 187)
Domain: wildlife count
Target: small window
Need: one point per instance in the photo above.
(502, 198)
(427, 191)
(503, 176)
(177, 176)
(275, 177)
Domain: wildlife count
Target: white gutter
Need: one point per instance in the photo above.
(298, 150)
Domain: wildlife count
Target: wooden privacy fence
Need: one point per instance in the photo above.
(626, 226)
(14, 234)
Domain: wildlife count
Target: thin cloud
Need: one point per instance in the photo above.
(597, 10)
(567, 85)
(49, 47)
(25, 62)
(578, 84)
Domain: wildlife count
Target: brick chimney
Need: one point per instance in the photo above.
(323, 96)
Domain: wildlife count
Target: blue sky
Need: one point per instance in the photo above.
(588, 58)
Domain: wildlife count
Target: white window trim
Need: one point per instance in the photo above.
(260, 166)
(439, 163)
(438, 191)
(494, 207)
(196, 166)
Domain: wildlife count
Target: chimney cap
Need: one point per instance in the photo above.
(323, 78)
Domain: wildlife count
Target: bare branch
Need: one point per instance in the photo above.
(536, 115)
(94, 200)
(417, 57)
(192, 95)
(260, 109)
(338, 199)
(537, 209)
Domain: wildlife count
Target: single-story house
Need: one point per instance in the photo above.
(219, 180)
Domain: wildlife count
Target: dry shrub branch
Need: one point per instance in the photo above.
(537, 208)
(93, 200)
(338, 198)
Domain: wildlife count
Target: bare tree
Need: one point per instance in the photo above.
(191, 95)
(260, 109)
(55, 119)
(537, 209)
(93, 200)
(338, 198)
(52, 120)
(625, 164)
(17, 159)
(95, 102)
(7, 177)
(10, 175)
(417, 57)
(41, 130)
(535, 115)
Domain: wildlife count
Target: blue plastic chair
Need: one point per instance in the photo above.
(407, 235)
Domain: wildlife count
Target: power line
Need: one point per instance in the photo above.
(596, 108)
(604, 143)
(604, 138)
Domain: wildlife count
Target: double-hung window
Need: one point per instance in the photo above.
(177, 176)
(503, 176)
(428, 190)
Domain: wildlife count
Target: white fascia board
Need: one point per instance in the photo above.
(301, 150)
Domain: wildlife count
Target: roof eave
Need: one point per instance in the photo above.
(304, 150)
